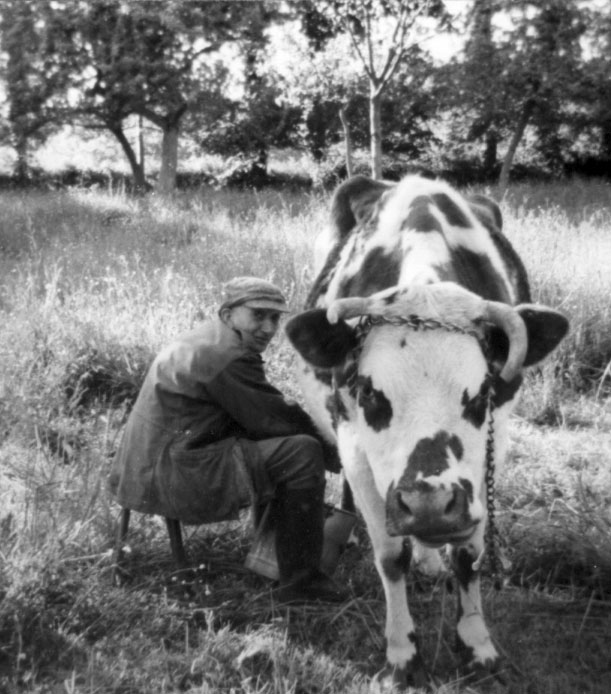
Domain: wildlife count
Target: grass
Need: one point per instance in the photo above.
(93, 284)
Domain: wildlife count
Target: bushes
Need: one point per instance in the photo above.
(110, 379)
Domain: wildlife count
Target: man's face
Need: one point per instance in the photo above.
(256, 326)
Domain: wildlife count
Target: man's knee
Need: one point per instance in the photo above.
(307, 468)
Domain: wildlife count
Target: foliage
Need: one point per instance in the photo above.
(152, 63)
(393, 23)
(37, 47)
(251, 126)
(114, 60)
(530, 87)
(531, 73)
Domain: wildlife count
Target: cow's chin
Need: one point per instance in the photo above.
(438, 541)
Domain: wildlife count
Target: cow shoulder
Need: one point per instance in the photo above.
(487, 211)
(354, 202)
(474, 266)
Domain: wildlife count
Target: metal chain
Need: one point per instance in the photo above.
(415, 323)
(363, 327)
(491, 536)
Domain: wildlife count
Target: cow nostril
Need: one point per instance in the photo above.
(451, 505)
(403, 504)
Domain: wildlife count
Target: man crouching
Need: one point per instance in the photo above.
(208, 434)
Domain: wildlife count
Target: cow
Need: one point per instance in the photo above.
(413, 341)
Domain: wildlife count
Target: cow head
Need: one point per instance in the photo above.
(416, 370)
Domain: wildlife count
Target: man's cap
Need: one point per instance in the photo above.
(254, 293)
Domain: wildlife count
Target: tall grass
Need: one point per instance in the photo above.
(565, 241)
(91, 286)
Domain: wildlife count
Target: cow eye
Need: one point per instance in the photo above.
(365, 387)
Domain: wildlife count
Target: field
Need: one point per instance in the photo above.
(93, 283)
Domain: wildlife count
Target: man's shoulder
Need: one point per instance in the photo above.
(206, 349)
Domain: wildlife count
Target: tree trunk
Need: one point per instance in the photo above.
(170, 126)
(137, 170)
(347, 141)
(141, 150)
(513, 146)
(605, 140)
(169, 160)
(490, 152)
(479, 42)
(375, 132)
(22, 166)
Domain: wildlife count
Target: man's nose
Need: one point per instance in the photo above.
(269, 326)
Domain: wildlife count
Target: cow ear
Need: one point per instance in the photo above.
(545, 328)
(320, 343)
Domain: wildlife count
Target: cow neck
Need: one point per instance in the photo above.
(417, 323)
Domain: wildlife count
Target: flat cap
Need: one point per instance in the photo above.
(254, 293)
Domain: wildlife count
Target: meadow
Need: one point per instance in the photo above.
(93, 283)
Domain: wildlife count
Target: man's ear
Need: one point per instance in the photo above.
(320, 343)
(224, 314)
(545, 328)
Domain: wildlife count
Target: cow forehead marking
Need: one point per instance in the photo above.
(430, 457)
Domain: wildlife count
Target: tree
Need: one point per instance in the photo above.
(98, 63)
(480, 74)
(592, 120)
(256, 117)
(150, 60)
(392, 23)
(529, 73)
(248, 126)
(545, 69)
(324, 82)
(35, 76)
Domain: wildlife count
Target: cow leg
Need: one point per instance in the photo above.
(473, 638)
(404, 665)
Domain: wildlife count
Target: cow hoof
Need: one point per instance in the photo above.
(393, 678)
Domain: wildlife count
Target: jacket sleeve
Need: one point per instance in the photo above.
(243, 391)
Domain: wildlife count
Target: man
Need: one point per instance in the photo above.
(208, 433)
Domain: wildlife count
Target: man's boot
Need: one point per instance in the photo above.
(299, 541)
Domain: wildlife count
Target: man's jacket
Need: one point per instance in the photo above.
(179, 455)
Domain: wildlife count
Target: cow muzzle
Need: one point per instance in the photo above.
(434, 515)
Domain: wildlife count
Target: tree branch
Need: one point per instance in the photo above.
(343, 19)
(405, 22)
(368, 37)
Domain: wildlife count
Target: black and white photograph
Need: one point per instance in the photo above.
(305, 347)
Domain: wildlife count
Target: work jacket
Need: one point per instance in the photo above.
(179, 456)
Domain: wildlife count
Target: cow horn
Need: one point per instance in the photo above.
(350, 307)
(510, 322)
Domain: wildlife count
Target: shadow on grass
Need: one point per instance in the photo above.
(552, 640)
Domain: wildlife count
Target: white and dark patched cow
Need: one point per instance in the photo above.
(414, 339)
